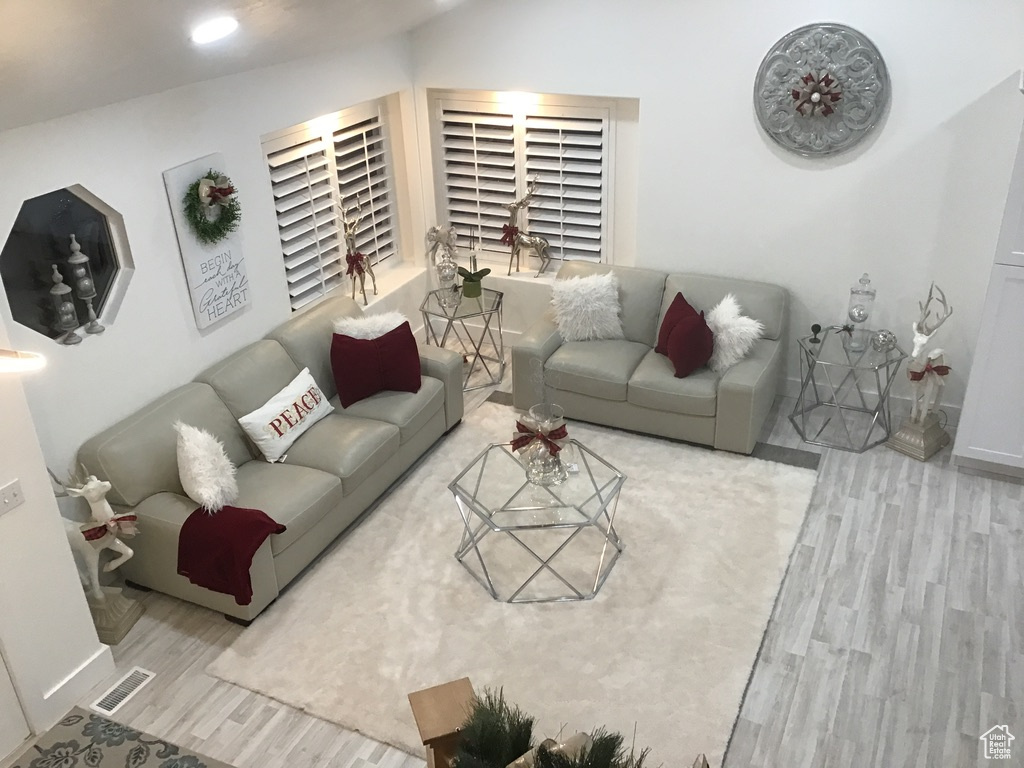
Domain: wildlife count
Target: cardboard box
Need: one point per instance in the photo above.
(439, 713)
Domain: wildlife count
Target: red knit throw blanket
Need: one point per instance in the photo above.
(215, 551)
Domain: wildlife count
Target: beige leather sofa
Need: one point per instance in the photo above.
(332, 474)
(624, 383)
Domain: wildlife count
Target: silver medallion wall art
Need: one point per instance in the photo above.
(821, 89)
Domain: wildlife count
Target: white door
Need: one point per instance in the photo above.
(992, 424)
(13, 728)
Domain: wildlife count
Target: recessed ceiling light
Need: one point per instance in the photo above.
(214, 29)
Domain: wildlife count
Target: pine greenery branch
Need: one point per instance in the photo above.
(495, 734)
(605, 752)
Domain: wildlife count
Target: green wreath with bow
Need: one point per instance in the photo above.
(211, 207)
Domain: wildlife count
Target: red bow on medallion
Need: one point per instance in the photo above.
(509, 232)
(355, 263)
(938, 370)
(118, 524)
(525, 436)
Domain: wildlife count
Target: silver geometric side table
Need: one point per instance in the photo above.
(844, 393)
(480, 341)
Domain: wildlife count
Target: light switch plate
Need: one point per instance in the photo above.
(11, 496)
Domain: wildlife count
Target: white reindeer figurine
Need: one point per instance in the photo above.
(443, 239)
(518, 239)
(89, 539)
(926, 369)
(358, 266)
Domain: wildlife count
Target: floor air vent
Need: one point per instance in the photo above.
(127, 687)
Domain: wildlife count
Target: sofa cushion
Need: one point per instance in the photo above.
(139, 454)
(409, 411)
(761, 301)
(346, 446)
(595, 368)
(654, 385)
(306, 336)
(250, 377)
(640, 292)
(297, 497)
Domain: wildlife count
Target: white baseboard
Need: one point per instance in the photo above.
(44, 713)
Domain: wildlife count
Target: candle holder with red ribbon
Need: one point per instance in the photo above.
(540, 439)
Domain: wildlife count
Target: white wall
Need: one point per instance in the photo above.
(119, 153)
(921, 202)
(47, 637)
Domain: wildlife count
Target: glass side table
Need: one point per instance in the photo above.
(529, 543)
(479, 341)
(844, 393)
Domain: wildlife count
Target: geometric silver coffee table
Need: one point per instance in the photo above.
(527, 543)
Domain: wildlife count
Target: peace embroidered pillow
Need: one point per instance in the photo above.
(364, 367)
(282, 420)
(206, 473)
(734, 334)
(587, 308)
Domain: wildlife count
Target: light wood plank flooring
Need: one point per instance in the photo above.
(896, 639)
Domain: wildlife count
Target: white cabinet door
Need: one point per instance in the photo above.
(13, 728)
(992, 424)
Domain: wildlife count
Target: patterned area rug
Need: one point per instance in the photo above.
(86, 740)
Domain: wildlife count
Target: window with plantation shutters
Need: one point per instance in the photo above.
(489, 153)
(322, 177)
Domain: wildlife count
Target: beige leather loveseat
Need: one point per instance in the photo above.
(332, 474)
(624, 383)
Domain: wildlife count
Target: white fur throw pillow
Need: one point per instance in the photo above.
(734, 334)
(206, 472)
(587, 308)
(369, 326)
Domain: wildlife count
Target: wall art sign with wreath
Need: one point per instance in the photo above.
(821, 89)
(206, 213)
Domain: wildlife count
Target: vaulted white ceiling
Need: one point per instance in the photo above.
(63, 56)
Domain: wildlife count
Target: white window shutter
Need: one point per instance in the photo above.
(479, 161)
(364, 180)
(566, 156)
(311, 243)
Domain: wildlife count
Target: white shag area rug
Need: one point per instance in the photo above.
(666, 647)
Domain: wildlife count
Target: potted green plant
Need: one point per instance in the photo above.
(471, 286)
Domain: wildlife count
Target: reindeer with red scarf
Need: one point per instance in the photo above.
(357, 264)
(926, 370)
(517, 239)
(89, 539)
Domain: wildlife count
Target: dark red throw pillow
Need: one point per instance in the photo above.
(364, 367)
(690, 345)
(679, 308)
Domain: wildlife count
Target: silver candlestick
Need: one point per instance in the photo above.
(85, 286)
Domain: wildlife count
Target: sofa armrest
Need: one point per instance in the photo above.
(745, 396)
(155, 563)
(529, 354)
(446, 365)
